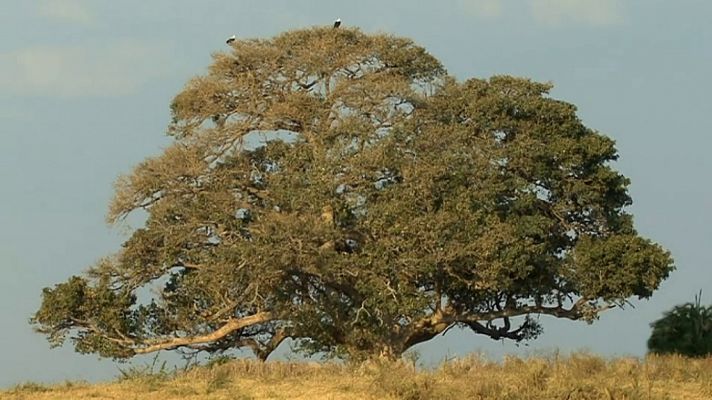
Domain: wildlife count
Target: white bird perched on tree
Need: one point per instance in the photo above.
(337, 23)
(231, 39)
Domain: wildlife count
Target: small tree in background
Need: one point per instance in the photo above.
(686, 330)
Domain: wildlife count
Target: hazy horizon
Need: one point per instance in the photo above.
(85, 88)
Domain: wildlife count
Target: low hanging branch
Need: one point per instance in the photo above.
(263, 350)
(444, 318)
(231, 326)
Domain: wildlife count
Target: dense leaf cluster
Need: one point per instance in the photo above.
(686, 330)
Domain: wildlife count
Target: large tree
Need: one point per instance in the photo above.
(341, 189)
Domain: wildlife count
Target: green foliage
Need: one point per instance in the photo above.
(618, 267)
(145, 372)
(341, 189)
(29, 387)
(75, 302)
(685, 330)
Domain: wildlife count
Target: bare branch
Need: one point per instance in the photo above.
(231, 326)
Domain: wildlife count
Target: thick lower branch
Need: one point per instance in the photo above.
(500, 333)
(263, 350)
(428, 328)
(231, 326)
(573, 313)
(279, 336)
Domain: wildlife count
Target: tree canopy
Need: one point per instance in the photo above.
(341, 189)
(686, 330)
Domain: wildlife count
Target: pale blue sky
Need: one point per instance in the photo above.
(85, 88)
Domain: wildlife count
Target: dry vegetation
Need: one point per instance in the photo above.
(579, 376)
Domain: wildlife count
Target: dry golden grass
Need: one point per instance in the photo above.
(577, 377)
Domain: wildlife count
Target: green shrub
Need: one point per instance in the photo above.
(686, 330)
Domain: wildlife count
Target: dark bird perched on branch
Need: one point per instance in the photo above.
(231, 39)
(337, 23)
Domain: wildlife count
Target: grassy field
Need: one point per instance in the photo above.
(579, 376)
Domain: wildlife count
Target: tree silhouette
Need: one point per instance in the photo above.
(686, 330)
(341, 189)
